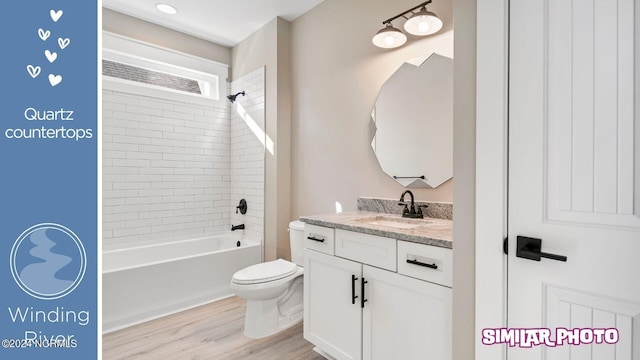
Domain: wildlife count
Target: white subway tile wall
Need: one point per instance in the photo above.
(174, 170)
(248, 151)
(166, 170)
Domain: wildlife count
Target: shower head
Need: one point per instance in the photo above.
(232, 98)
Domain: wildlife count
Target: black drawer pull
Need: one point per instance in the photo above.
(416, 262)
(315, 239)
(362, 299)
(353, 289)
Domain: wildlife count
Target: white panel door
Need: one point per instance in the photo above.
(405, 318)
(574, 172)
(332, 311)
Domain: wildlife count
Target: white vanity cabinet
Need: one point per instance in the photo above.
(405, 318)
(332, 316)
(357, 306)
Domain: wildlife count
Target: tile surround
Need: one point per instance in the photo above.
(166, 169)
(174, 170)
(247, 152)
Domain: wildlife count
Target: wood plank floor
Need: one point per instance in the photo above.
(212, 331)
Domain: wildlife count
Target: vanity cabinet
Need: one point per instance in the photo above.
(332, 317)
(358, 306)
(405, 318)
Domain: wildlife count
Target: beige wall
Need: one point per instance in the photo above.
(270, 47)
(337, 73)
(283, 122)
(464, 172)
(258, 49)
(134, 28)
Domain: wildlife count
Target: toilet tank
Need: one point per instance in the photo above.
(296, 240)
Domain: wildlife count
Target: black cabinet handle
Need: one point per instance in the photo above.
(530, 248)
(362, 299)
(416, 262)
(353, 289)
(315, 239)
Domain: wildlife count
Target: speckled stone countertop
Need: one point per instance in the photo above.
(435, 232)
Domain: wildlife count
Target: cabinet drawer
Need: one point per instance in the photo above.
(430, 263)
(368, 249)
(319, 238)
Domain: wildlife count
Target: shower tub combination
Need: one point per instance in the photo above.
(147, 282)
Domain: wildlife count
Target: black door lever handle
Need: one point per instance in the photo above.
(530, 248)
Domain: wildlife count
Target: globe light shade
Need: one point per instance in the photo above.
(423, 23)
(389, 37)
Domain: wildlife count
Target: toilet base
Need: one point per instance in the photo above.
(267, 317)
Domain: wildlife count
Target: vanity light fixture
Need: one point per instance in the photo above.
(389, 37)
(419, 23)
(167, 9)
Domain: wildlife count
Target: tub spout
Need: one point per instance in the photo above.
(237, 227)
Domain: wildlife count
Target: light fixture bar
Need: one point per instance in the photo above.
(389, 20)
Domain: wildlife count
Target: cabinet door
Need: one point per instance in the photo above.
(405, 318)
(332, 319)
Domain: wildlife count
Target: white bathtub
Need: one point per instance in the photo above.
(147, 282)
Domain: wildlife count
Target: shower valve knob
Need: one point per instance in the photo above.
(242, 206)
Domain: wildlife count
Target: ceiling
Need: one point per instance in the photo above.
(226, 22)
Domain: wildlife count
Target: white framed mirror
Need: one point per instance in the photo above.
(411, 124)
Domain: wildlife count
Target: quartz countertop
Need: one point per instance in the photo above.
(435, 232)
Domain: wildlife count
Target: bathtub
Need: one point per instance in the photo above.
(147, 282)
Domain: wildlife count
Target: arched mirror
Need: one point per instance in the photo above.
(412, 123)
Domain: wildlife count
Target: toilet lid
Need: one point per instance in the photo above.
(267, 271)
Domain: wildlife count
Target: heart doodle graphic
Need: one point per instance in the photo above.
(63, 43)
(44, 35)
(34, 71)
(55, 79)
(55, 15)
(51, 56)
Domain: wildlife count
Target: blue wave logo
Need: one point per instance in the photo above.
(48, 261)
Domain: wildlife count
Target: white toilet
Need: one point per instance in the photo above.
(273, 290)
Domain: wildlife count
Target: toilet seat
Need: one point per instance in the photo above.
(265, 272)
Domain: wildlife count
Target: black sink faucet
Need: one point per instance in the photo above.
(237, 227)
(410, 212)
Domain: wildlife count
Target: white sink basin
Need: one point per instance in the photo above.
(394, 222)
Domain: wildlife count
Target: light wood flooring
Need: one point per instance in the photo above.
(212, 331)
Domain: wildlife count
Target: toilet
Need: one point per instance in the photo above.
(273, 290)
